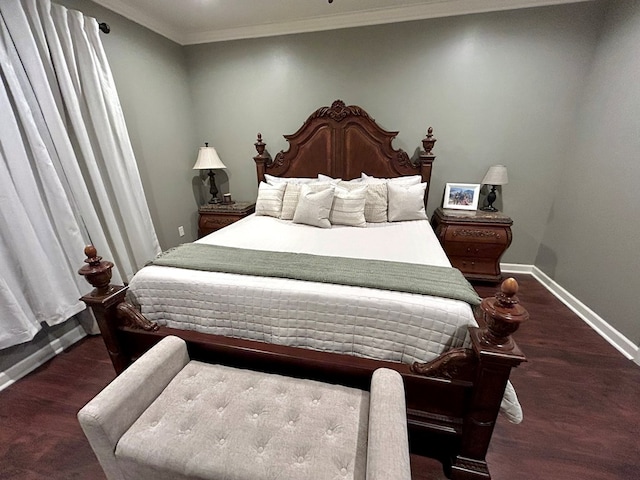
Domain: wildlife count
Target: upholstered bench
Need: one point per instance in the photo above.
(167, 417)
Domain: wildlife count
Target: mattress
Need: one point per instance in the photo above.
(370, 323)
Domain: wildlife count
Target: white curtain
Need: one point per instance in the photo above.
(68, 176)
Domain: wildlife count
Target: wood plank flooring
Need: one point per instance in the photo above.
(580, 397)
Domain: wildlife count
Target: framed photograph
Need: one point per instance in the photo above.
(462, 196)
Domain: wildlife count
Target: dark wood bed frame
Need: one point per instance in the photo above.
(452, 401)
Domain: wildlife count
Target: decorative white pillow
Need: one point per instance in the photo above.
(269, 202)
(319, 186)
(314, 207)
(375, 207)
(406, 202)
(292, 194)
(405, 180)
(327, 178)
(272, 180)
(290, 200)
(348, 207)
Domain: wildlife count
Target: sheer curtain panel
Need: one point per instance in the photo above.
(68, 175)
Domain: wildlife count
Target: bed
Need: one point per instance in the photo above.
(455, 371)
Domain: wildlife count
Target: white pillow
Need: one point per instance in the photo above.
(375, 207)
(327, 178)
(292, 194)
(348, 207)
(405, 180)
(406, 202)
(269, 202)
(290, 200)
(272, 180)
(314, 207)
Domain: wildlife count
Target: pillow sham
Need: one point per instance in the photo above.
(406, 202)
(326, 178)
(290, 200)
(404, 180)
(269, 202)
(314, 207)
(273, 180)
(348, 207)
(375, 207)
(292, 194)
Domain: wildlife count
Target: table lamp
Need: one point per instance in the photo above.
(496, 175)
(208, 159)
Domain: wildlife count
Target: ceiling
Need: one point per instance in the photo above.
(201, 21)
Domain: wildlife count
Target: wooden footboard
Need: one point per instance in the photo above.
(452, 401)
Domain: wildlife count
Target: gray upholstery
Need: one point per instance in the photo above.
(167, 417)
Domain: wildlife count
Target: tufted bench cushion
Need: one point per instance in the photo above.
(208, 421)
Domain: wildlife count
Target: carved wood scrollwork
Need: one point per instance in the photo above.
(131, 317)
(476, 233)
(338, 111)
(459, 363)
(403, 159)
(278, 161)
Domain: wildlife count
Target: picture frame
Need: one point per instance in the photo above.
(461, 196)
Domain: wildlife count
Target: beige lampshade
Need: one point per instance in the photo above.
(208, 159)
(496, 175)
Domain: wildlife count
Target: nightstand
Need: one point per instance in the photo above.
(474, 241)
(216, 216)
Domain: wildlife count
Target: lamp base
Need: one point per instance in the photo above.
(213, 190)
(491, 198)
(489, 208)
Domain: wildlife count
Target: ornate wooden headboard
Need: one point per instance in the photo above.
(342, 141)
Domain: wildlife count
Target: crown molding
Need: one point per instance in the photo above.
(433, 9)
(141, 18)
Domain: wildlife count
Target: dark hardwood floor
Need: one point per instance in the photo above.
(580, 397)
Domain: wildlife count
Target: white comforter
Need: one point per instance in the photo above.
(371, 323)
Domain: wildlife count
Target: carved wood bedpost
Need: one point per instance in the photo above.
(426, 160)
(103, 300)
(262, 159)
(497, 354)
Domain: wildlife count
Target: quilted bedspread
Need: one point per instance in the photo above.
(367, 322)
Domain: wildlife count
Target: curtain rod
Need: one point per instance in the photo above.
(104, 27)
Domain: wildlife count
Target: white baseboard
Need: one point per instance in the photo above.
(591, 318)
(40, 357)
(516, 268)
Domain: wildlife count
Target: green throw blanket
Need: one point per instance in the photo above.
(396, 276)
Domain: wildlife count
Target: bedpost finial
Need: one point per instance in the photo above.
(429, 141)
(503, 315)
(91, 253)
(260, 145)
(509, 287)
(96, 271)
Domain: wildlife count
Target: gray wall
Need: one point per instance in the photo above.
(590, 243)
(497, 88)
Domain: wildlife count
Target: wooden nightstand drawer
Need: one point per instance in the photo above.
(474, 241)
(216, 222)
(477, 249)
(217, 216)
(472, 266)
(464, 233)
